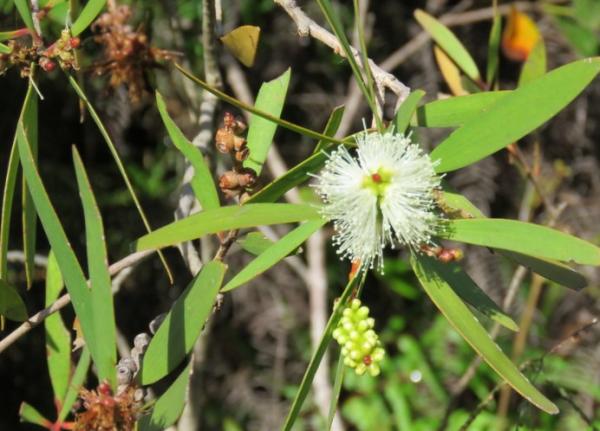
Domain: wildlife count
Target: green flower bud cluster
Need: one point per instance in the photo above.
(360, 344)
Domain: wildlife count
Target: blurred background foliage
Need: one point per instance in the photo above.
(259, 344)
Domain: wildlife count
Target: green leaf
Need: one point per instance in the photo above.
(168, 406)
(25, 12)
(225, 218)
(331, 128)
(317, 356)
(456, 111)
(255, 242)
(535, 65)
(270, 99)
(69, 266)
(29, 119)
(76, 383)
(515, 115)
(406, 110)
(4, 49)
(541, 241)
(493, 48)
(11, 304)
(275, 253)
(101, 286)
(87, 16)
(335, 391)
(30, 414)
(550, 269)
(118, 162)
(468, 291)
(58, 337)
(584, 40)
(202, 183)
(449, 43)
(467, 325)
(293, 177)
(177, 334)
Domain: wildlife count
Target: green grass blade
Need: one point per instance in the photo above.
(4, 49)
(455, 111)
(535, 65)
(515, 115)
(493, 54)
(76, 383)
(30, 414)
(118, 162)
(449, 43)
(100, 292)
(461, 318)
(406, 111)
(25, 12)
(331, 128)
(233, 101)
(542, 241)
(11, 304)
(67, 261)
(177, 334)
(29, 119)
(87, 16)
(202, 183)
(168, 406)
(275, 253)
(469, 292)
(7, 203)
(225, 218)
(317, 356)
(336, 390)
(58, 337)
(270, 99)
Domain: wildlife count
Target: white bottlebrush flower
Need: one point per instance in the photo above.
(383, 196)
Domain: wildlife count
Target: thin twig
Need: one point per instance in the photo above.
(128, 261)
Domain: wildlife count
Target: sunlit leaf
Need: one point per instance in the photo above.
(493, 48)
(332, 126)
(270, 99)
(76, 383)
(89, 13)
(515, 115)
(461, 318)
(520, 35)
(406, 110)
(450, 72)
(11, 304)
(28, 413)
(275, 253)
(225, 218)
(449, 43)
(242, 42)
(181, 327)
(535, 65)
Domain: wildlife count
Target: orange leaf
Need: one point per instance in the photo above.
(450, 72)
(520, 36)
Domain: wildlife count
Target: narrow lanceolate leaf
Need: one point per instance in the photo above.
(491, 72)
(468, 291)
(25, 12)
(450, 72)
(100, 293)
(4, 49)
(550, 269)
(317, 356)
(535, 65)
(406, 110)
(69, 266)
(58, 338)
(293, 177)
(202, 183)
(449, 43)
(455, 111)
(515, 115)
(30, 414)
(87, 16)
(11, 304)
(76, 383)
(270, 99)
(177, 334)
(169, 405)
(275, 253)
(526, 238)
(225, 218)
(29, 119)
(118, 162)
(331, 128)
(461, 318)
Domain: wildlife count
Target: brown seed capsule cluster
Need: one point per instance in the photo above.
(228, 140)
(444, 255)
(104, 411)
(127, 52)
(61, 52)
